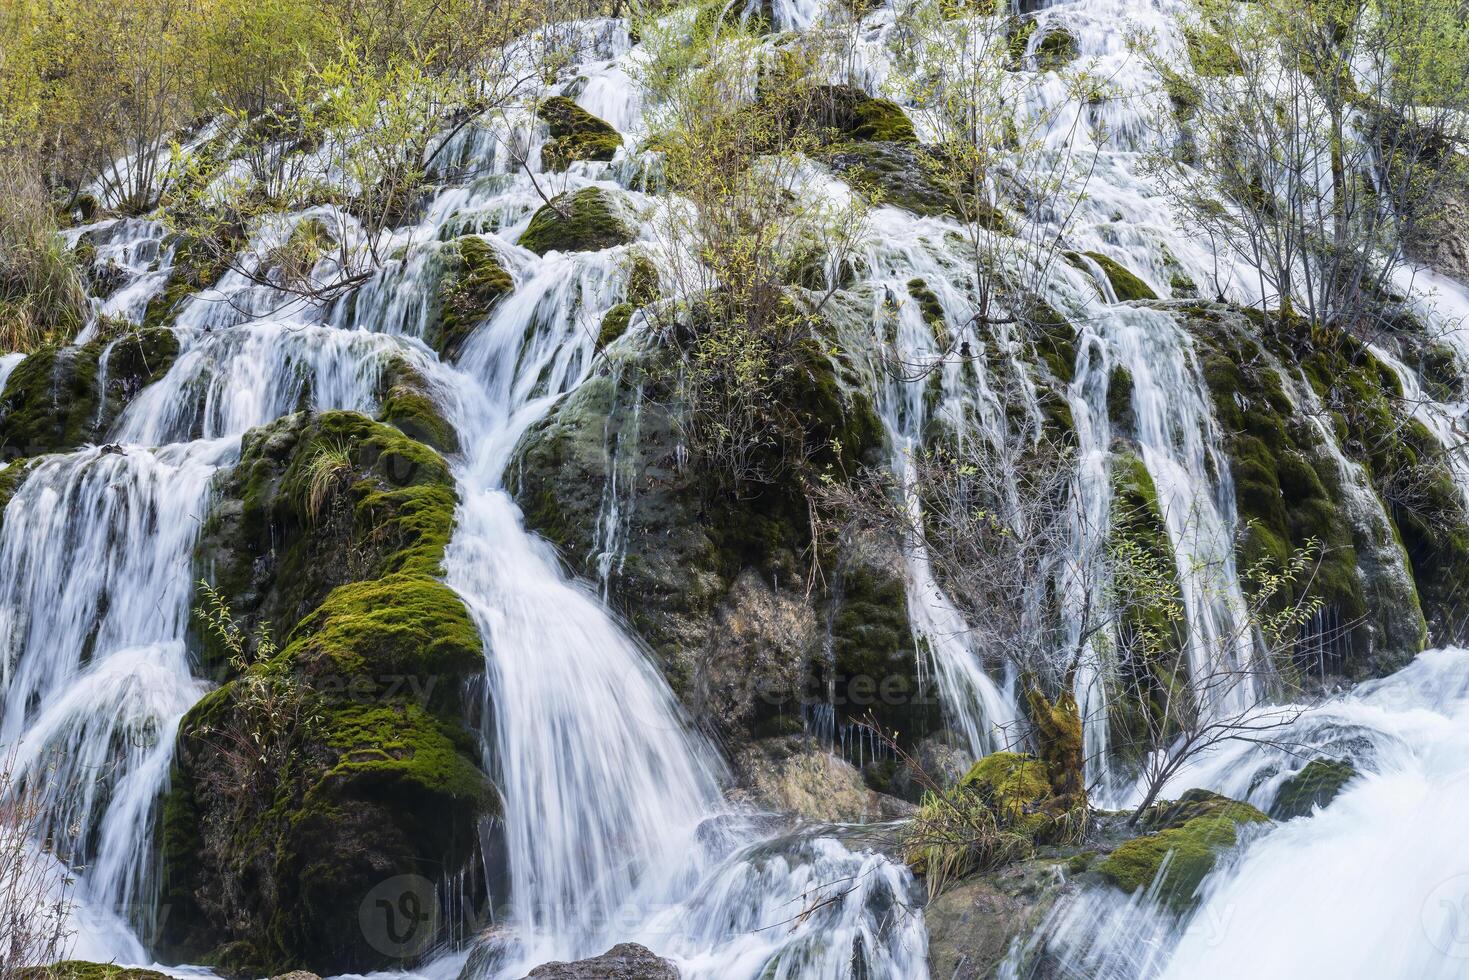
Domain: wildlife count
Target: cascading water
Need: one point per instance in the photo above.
(614, 822)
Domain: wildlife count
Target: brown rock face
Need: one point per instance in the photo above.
(625, 961)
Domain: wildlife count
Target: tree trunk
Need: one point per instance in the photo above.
(1059, 745)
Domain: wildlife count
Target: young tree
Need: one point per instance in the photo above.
(752, 248)
(1318, 134)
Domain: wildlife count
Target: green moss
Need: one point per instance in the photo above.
(1018, 33)
(52, 401)
(848, 114)
(1287, 489)
(1191, 838)
(1119, 399)
(1057, 49)
(82, 970)
(1210, 54)
(931, 309)
(399, 625)
(575, 134)
(473, 282)
(1127, 286)
(1314, 786)
(408, 405)
(1017, 787)
(586, 221)
(614, 324)
(381, 778)
(1152, 676)
(390, 510)
(914, 178)
(197, 265)
(872, 650)
(1052, 336)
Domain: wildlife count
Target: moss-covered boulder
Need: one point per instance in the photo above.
(197, 265)
(472, 282)
(846, 113)
(60, 398)
(588, 220)
(1151, 693)
(714, 582)
(1126, 285)
(576, 134)
(1314, 786)
(409, 404)
(316, 502)
(332, 530)
(901, 174)
(1056, 49)
(1190, 834)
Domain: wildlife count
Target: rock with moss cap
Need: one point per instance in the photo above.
(332, 528)
(84, 970)
(60, 398)
(409, 404)
(473, 281)
(1186, 840)
(588, 220)
(903, 175)
(849, 114)
(1126, 286)
(275, 547)
(1316, 785)
(1291, 488)
(576, 134)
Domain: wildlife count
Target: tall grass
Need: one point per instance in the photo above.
(42, 299)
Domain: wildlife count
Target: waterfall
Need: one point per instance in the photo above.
(614, 821)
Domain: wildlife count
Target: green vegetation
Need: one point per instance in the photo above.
(1314, 786)
(371, 771)
(1190, 835)
(1127, 286)
(1000, 811)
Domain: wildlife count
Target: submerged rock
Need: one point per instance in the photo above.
(625, 961)
(1314, 786)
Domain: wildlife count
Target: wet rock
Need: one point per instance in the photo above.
(795, 775)
(1317, 440)
(1442, 243)
(332, 529)
(576, 134)
(972, 926)
(474, 280)
(60, 398)
(625, 961)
